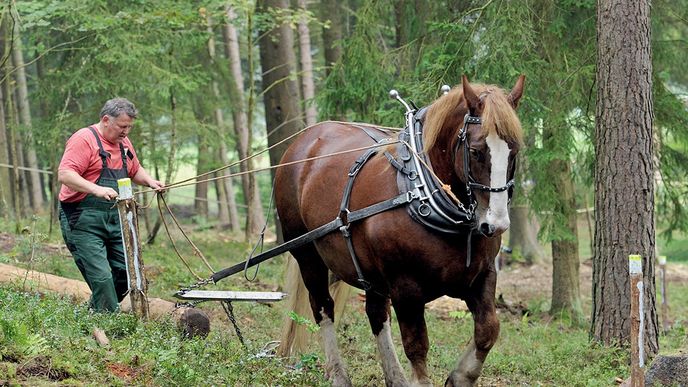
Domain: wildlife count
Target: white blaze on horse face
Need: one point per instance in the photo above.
(498, 213)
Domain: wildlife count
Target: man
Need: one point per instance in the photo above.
(94, 159)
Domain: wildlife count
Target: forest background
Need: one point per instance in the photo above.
(216, 81)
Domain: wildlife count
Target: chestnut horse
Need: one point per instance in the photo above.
(470, 137)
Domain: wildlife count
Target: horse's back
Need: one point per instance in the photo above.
(318, 173)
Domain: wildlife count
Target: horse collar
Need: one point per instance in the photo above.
(434, 208)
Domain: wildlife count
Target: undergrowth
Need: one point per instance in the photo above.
(48, 339)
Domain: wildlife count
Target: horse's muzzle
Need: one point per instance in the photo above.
(487, 229)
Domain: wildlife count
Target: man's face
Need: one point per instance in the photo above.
(115, 129)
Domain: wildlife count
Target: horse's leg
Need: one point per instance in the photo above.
(485, 333)
(377, 309)
(414, 335)
(315, 277)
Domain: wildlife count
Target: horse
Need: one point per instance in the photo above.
(470, 138)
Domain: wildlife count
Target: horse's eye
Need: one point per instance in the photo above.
(478, 155)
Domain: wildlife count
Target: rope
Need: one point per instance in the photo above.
(181, 183)
(186, 182)
(259, 244)
(197, 252)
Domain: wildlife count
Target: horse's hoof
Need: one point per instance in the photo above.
(455, 380)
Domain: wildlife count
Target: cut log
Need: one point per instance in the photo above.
(191, 321)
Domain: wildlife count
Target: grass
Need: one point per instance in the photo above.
(46, 339)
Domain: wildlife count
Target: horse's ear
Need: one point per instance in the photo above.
(468, 93)
(517, 91)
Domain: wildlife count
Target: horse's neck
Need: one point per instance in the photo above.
(441, 156)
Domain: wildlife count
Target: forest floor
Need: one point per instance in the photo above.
(518, 285)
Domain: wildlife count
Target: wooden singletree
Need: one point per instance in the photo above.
(624, 184)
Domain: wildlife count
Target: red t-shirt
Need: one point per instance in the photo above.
(82, 156)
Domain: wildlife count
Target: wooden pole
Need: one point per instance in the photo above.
(129, 222)
(665, 301)
(635, 269)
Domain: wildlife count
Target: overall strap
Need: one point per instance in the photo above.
(101, 151)
(124, 158)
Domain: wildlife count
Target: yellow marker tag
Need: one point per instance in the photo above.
(635, 264)
(125, 191)
(662, 259)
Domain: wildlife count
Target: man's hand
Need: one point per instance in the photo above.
(106, 193)
(157, 185)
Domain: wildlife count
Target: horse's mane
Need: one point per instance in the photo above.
(498, 115)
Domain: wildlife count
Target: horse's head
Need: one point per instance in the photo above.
(478, 124)
(486, 149)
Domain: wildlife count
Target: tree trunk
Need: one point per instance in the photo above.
(13, 146)
(565, 259)
(624, 199)
(243, 122)
(201, 191)
(308, 87)
(282, 113)
(170, 160)
(222, 185)
(34, 177)
(332, 10)
(523, 235)
(5, 171)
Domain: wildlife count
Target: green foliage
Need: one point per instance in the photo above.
(310, 325)
(359, 83)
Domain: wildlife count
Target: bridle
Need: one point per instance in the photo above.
(470, 182)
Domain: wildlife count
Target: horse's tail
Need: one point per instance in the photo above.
(295, 337)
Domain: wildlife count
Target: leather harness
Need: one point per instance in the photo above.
(426, 202)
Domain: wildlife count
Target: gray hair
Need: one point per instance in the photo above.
(117, 106)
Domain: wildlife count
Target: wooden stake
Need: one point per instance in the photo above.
(635, 269)
(129, 222)
(665, 301)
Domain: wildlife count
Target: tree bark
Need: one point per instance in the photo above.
(307, 85)
(332, 11)
(565, 258)
(13, 143)
(201, 190)
(223, 186)
(34, 177)
(5, 175)
(6, 172)
(282, 113)
(242, 125)
(170, 160)
(624, 199)
(523, 235)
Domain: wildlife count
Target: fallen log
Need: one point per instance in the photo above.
(191, 321)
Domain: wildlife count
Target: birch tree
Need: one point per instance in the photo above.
(242, 128)
(34, 177)
(307, 84)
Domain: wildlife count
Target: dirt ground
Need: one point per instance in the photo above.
(519, 284)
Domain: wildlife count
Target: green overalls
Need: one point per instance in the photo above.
(93, 235)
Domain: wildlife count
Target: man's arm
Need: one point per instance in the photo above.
(143, 178)
(74, 181)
